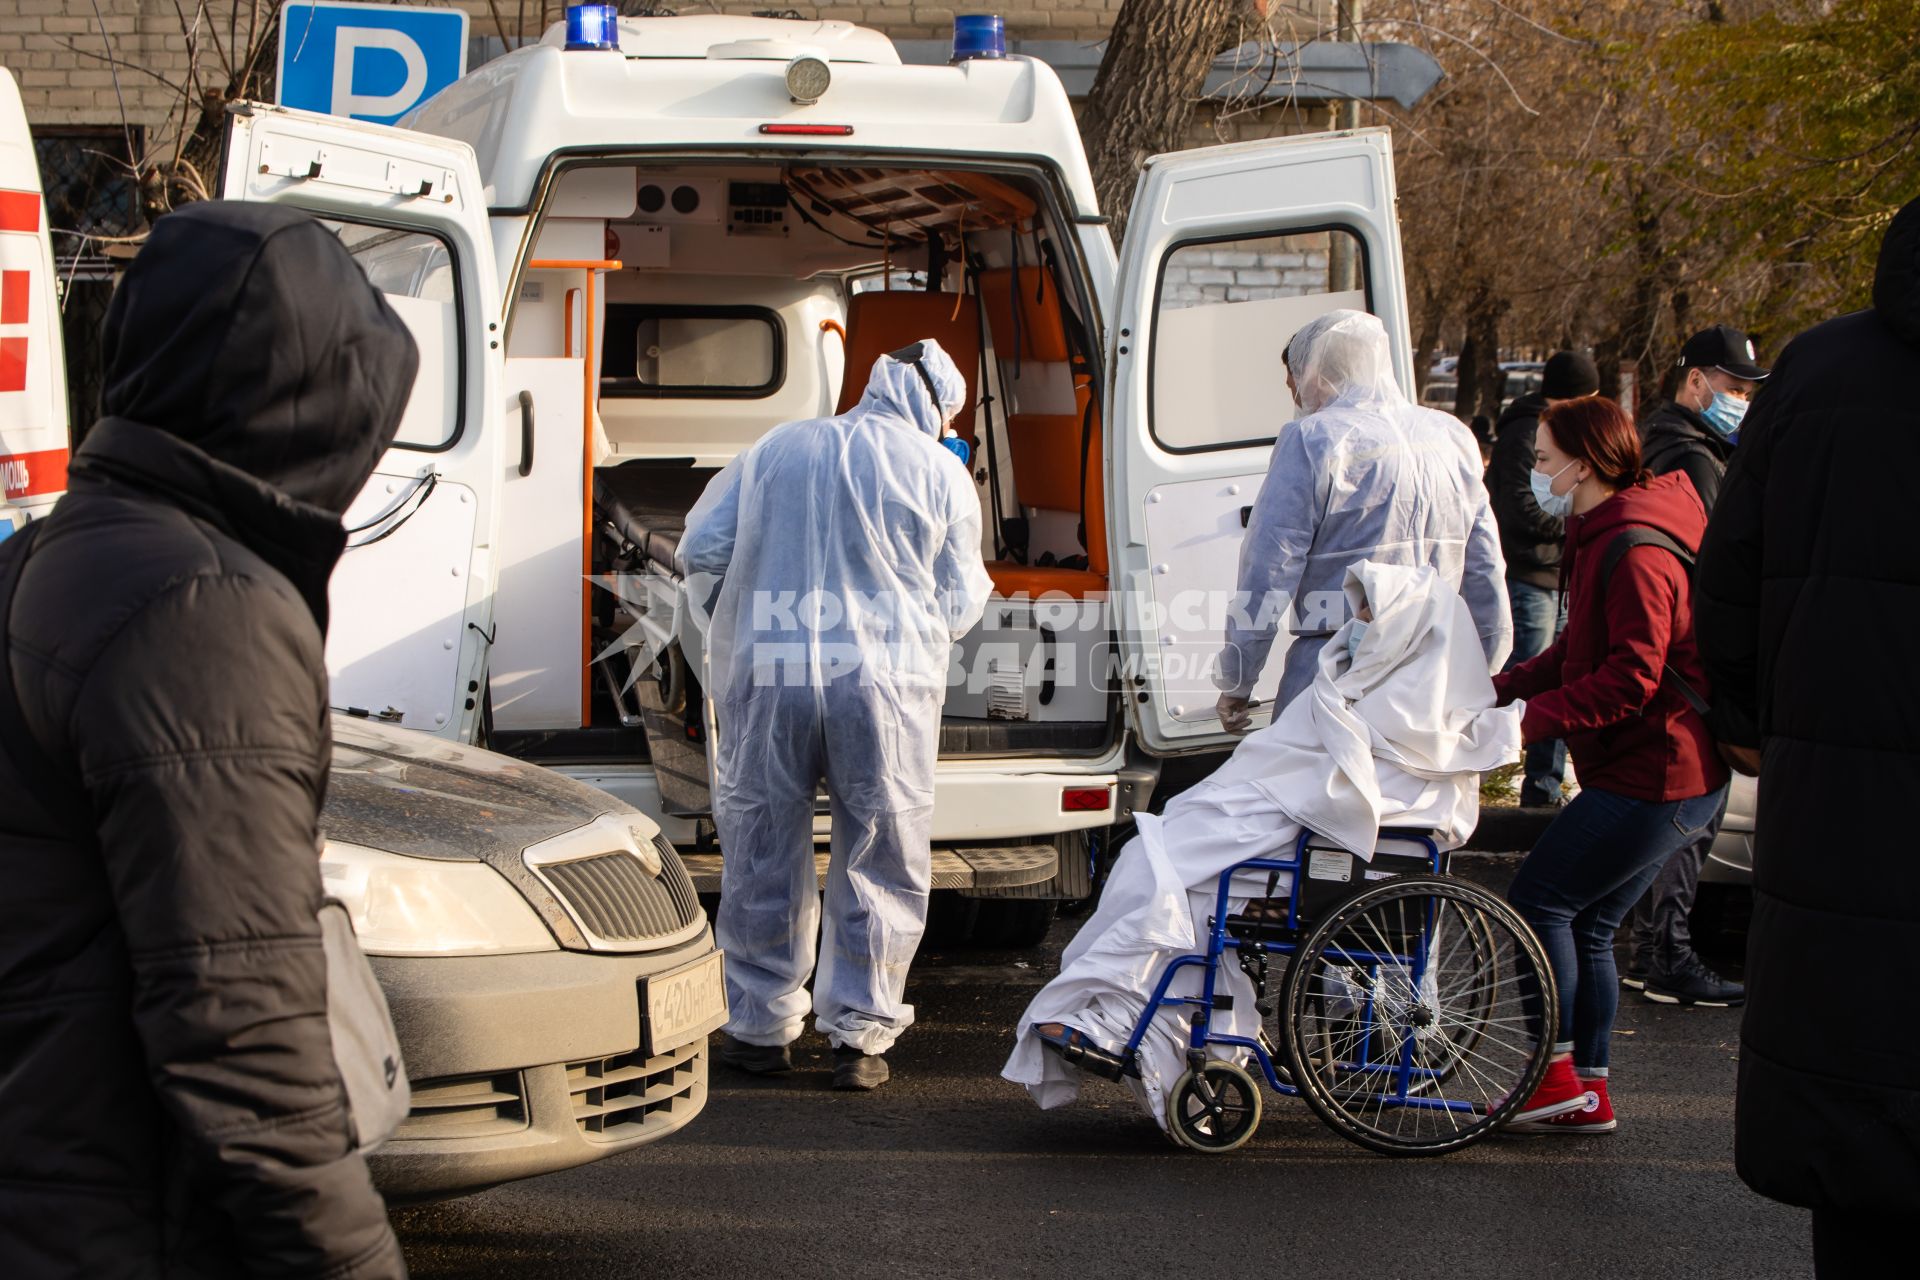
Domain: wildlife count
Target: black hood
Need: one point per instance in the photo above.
(1896, 284)
(248, 331)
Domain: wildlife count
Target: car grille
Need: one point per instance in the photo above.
(620, 1097)
(617, 901)
(465, 1107)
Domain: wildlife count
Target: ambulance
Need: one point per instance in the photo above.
(33, 374)
(630, 249)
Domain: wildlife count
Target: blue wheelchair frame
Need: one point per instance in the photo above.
(1403, 1073)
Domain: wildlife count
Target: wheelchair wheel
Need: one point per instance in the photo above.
(1215, 1109)
(1418, 1016)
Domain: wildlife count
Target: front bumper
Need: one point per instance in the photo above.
(526, 1064)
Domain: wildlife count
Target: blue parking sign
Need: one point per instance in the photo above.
(368, 61)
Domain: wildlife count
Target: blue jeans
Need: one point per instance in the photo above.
(1539, 615)
(1590, 867)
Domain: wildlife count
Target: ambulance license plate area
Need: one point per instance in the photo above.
(683, 1004)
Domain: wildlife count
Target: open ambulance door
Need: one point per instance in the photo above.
(33, 376)
(412, 600)
(1228, 251)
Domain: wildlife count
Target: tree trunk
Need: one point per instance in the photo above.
(1481, 383)
(1142, 102)
(1431, 316)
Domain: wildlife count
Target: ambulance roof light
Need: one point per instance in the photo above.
(593, 26)
(979, 35)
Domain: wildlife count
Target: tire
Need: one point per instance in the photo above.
(1214, 1110)
(1422, 1058)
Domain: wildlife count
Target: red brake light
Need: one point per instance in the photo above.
(1084, 799)
(810, 130)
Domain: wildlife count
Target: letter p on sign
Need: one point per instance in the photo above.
(367, 61)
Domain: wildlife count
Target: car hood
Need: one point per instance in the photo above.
(405, 792)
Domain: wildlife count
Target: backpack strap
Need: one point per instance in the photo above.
(57, 794)
(1641, 535)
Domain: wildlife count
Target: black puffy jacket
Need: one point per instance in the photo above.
(1675, 438)
(167, 1083)
(1807, 607)
(1530, 539)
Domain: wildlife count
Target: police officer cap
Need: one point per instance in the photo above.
(1722, 347)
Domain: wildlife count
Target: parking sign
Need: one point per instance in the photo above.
(368, 61)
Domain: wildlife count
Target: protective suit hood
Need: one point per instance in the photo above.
(1343, 358)
(895, 387)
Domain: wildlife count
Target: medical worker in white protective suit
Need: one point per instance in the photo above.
(1394, 731)
(846, 556)
(1362, 474)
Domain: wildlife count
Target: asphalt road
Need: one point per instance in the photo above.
(950, 1171)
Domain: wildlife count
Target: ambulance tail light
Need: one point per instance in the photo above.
(808, 130)
(979, 35)
(1085, 800)
(593, 26)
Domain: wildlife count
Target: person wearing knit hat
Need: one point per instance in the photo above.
(1530, 540)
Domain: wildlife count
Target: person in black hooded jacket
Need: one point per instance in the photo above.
(167, 1080)
(1808, 616)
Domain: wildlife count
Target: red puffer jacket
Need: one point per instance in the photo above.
(1599, 686)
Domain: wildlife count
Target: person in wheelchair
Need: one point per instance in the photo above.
(1394, 731)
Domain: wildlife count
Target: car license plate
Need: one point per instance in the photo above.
(684, 1004)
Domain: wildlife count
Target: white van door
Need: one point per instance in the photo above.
(33, 377)
(1228, 251)
(412, 600)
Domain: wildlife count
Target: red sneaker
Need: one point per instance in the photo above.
(1560, 1091)
(1595, 1117)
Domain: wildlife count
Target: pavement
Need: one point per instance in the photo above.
(951, 1171)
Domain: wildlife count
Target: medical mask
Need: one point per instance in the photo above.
(1558, 505)
(1724, 414)
(1354, 634)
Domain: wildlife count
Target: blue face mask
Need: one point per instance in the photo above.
(1557, 505)
(1354, 633)
(1725, 414)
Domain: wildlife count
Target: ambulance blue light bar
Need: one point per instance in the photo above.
(593, 26)
(979, 35)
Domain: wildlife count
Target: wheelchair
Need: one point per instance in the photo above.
(1411, 1005)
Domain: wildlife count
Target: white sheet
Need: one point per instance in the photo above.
(1397, 737)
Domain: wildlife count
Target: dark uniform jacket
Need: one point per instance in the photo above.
(1809, 619)
(167, 1082)
(1530, 539)
(1675, 438)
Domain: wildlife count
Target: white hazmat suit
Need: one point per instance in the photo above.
(1396, 736)
(1362, 474)
(846, 553)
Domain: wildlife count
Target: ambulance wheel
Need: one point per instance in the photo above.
(1215, 1109)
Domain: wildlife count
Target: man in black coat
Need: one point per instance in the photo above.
(167, 1081)
(1530, 540)
(1693, 432)
(1807, 609)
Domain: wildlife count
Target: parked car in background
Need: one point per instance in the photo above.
(550, 971)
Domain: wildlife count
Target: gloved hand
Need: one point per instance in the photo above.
(1236, 713)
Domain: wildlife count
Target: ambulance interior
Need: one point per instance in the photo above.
(751, 294)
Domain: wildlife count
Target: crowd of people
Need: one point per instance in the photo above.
(1699, 592)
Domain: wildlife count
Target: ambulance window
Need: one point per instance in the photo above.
(1225, 311)
(415, 270)
(692, 352)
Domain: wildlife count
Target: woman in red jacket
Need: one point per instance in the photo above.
(1650, 778)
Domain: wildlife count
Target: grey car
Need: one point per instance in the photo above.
(550, 971)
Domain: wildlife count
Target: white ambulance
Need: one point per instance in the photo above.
(33, 375)
(626, 261)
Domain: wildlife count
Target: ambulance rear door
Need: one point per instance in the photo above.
(1228, 251)
(33, 375)
(412, 600)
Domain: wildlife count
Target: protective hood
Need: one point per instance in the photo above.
(249, 332)
(1896, 282)
(1342, 358)
(896, 387)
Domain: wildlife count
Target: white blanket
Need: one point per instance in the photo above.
(1397, 736)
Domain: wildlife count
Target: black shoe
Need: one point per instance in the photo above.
(755, 1059)
(853, 1069)
(1634, 979)
(1692, 983)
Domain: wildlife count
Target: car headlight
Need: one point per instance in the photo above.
(417, 906)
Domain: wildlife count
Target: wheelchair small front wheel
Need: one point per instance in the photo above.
(1214, 1109)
